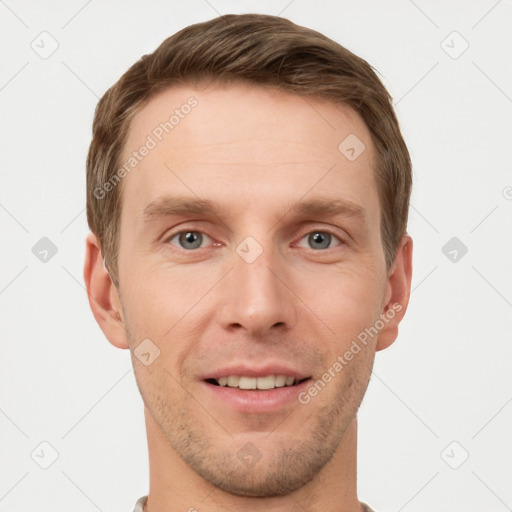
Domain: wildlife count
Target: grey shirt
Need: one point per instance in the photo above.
(139, 506)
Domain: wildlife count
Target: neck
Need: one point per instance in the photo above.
(174, 486)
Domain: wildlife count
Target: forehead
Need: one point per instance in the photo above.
(258, 141)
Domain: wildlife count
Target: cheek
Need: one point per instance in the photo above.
(170, 308)
(159, 297)
(347, 301)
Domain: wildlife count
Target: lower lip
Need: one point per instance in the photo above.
(247, 400)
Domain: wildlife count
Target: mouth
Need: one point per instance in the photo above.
(255, 395)
(266, 383)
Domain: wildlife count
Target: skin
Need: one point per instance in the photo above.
(256, 152)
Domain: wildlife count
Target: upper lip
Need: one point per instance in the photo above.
(243, 370)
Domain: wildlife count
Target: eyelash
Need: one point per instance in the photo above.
(323, 231)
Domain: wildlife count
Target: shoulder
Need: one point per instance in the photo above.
(366, 507)
(141, 502)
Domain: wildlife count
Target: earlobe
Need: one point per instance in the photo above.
(397, 293)
(102, 295)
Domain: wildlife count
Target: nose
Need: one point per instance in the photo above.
(256, 296)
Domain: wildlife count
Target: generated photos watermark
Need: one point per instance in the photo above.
(152, 140)
(357, 345)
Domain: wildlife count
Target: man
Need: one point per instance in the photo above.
(248, 192)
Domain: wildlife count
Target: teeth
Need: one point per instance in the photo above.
(247, 383)
(233, 382)
(280, 381)
(268, 382)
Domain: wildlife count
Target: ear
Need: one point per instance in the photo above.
(398, 289)
(102, 294)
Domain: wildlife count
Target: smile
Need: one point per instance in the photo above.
(256, 383)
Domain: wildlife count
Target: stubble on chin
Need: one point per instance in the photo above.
(286, 464)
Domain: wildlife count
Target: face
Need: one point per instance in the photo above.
(250, 247)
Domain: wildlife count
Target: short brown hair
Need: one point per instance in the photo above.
(260, 49)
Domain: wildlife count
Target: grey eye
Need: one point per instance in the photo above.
(189, 239)
(319, 240)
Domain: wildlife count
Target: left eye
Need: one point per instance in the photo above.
(189, 239)
(320, 239)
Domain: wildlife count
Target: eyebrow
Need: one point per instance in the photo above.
(169, 206)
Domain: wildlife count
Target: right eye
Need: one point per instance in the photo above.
(188, 240)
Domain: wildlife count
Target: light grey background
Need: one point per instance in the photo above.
(440, 393)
